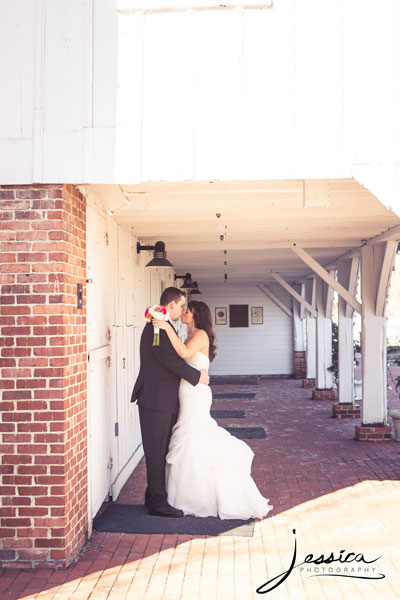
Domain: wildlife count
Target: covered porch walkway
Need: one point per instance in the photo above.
(335, 492)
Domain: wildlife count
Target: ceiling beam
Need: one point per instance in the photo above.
(390, 234)
(191, 243)
(319, 270)
(353, 253)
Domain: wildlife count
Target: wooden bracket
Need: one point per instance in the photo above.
(325, 276)
(275, 299)
(293, 292)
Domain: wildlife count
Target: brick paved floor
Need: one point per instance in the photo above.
(337, 493)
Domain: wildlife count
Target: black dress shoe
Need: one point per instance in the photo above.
(165, 511)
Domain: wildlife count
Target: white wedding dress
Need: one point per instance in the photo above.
(208, 470)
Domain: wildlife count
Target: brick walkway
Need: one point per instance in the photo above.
(337, 493)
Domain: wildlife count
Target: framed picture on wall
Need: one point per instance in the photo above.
(256, 315)
(238, 315)
(220, 315)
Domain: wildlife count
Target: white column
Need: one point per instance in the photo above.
(373, 339)
(324, 335)
(298, 322)
(311, 330)
(347, 276)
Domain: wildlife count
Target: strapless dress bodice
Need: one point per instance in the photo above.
(195, 401)
(199, 361)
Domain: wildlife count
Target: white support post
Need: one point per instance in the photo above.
(298, 322)
(311, 348)
(384, 279)
(347, 277)
(324, 337)
(373, 339)
(299, 335)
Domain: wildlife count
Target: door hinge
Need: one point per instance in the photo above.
(110, 463)
(116, 429)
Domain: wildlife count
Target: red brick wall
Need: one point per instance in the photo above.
(43, 512)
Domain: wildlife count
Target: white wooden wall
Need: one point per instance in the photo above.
(119, 288)
(298, 90)
(265, 349)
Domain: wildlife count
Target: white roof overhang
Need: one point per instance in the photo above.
(251, 225)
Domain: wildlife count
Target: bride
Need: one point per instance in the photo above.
(208, 470)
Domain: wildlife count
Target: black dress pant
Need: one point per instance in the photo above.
(156, 428)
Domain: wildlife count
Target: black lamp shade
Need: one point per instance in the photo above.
(195, 289)
(160, 257)
(188, 283)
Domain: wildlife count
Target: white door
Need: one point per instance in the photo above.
(126, 446)
(100, 307)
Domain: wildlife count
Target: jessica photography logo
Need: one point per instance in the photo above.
(322, 566)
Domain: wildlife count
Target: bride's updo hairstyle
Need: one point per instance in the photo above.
(203, 320)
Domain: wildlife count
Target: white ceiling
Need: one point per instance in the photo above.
(259, 221)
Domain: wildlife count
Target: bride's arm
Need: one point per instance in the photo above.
(184, 350)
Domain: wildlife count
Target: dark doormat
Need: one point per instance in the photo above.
(234, 395)
(225, 414)
(132, 518)
(247, 432)
(233, 381)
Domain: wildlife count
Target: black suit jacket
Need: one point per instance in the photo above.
(161, 370)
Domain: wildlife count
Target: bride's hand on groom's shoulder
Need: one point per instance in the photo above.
(160, 324)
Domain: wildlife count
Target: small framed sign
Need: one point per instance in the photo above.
(256, 315)
(220, 315)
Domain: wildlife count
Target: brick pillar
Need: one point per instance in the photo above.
(43, 514)
(300, 364)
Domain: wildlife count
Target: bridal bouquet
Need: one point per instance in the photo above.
(156, 311)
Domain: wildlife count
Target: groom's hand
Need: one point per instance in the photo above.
(204, 378)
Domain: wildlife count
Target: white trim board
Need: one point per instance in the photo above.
(131, 6)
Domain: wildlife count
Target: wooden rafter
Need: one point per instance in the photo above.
(319, 270)
(293, 292)
(275, 299)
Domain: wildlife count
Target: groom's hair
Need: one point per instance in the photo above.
(171, 294)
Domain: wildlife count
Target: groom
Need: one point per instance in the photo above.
(156, 392)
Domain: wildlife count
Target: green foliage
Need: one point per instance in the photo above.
(335, 352)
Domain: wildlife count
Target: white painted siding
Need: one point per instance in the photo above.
(265, 349)
(293, 91)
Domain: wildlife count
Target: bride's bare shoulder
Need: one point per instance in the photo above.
(201, 334)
